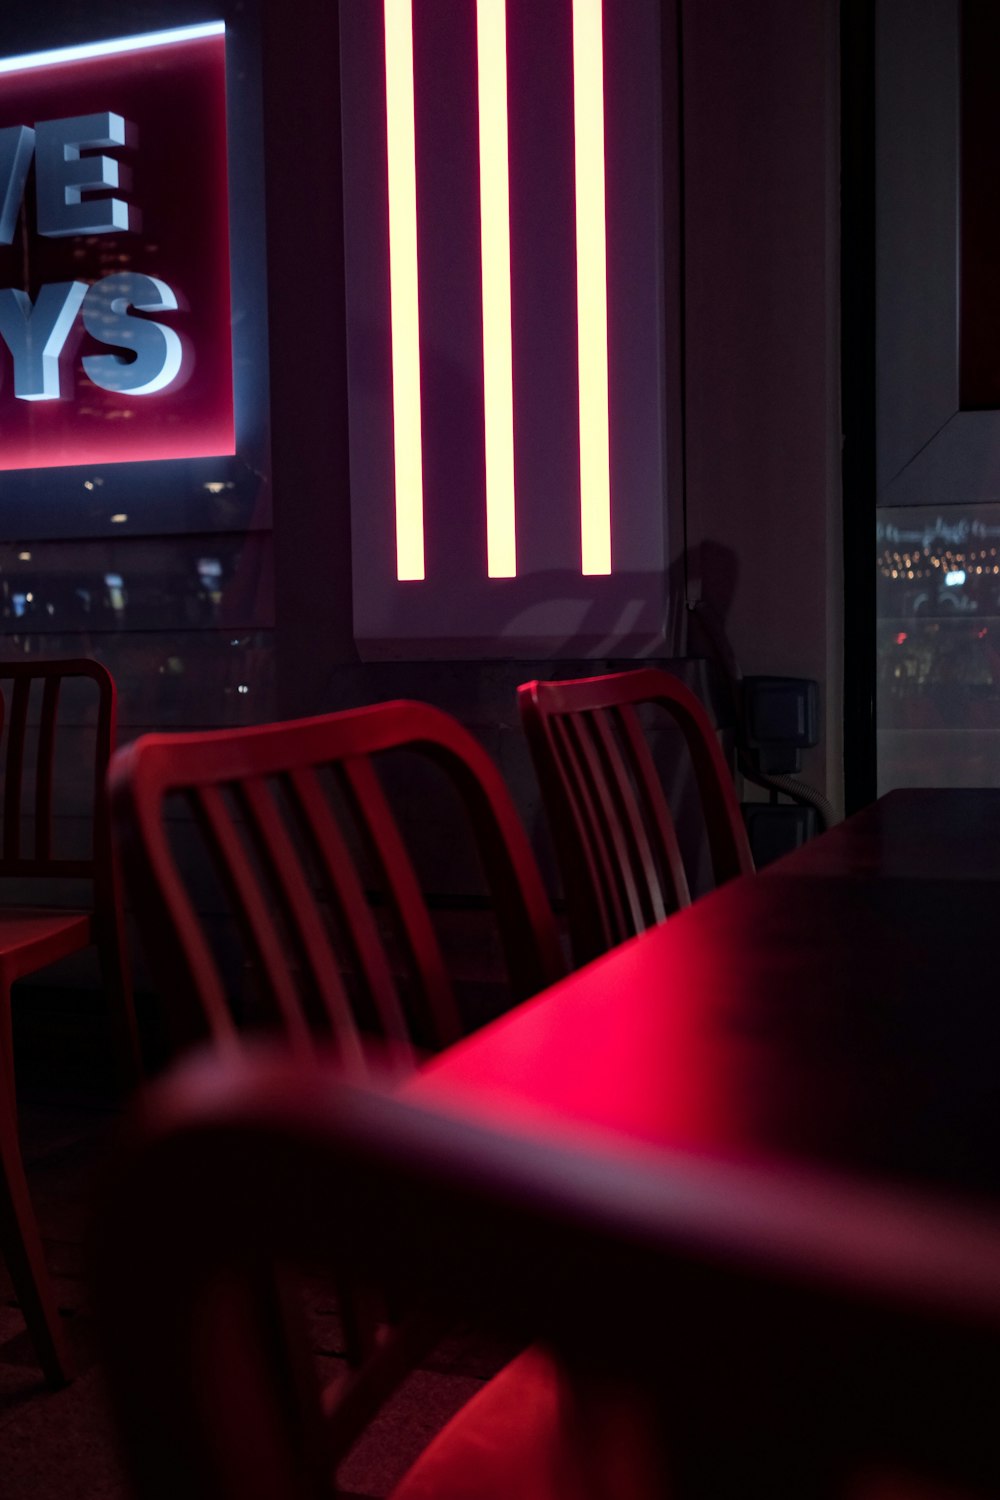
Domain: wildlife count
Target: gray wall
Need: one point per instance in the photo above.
(761, 173)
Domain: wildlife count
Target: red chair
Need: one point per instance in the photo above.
(295, 823)
(708, 1338)
(49, 759)
(615, 839)
(46, 754)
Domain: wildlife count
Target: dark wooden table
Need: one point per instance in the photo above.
(842, 1009)
(835, 1020)
(915, 834)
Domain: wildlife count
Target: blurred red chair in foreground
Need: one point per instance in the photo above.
(295, 823)
(54, 763)
(613, 832)
(734, 1349)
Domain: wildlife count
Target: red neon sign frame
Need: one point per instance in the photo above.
(173, 98)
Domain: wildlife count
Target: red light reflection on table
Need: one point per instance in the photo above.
(649, 1071)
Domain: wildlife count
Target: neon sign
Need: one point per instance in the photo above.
(512, 330)
(498, 358)
(115, 338)
(591, 285)
(403, 289)
(494, 203)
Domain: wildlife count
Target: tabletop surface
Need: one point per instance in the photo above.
(910, 834)
(849, 1019)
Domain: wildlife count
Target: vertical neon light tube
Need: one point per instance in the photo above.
(494, 212)
(592, 286)
(404, 302)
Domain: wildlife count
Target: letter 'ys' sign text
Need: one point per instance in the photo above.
(70, 161)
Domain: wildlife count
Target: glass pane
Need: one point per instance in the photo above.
(938, 646)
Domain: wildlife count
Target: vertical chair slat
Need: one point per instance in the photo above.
(374, 817)
(654, 817)
(14, 769)
(45, 768)
(600, 826)
(199, 1005)
(577, 806)
(319, 828)
(639, 870)
(281, 860)
(727, 837)
(230, 856)
(520, 901)
(107, 734)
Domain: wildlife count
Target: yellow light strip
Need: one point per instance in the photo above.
(592, 286)
(498, 376)
(404, 302)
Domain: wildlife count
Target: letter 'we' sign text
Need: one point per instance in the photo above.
(115, 331)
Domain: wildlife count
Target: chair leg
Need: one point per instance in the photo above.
(117, 977)
(8, 1082)
(20, 1241)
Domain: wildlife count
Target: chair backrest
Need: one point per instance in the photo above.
(614, 835)
(295, 822)
(772, 1362)
(44, 749)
